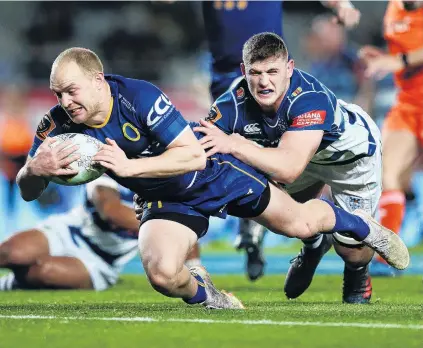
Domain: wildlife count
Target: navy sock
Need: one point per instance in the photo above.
(201, 295)
(348, 223)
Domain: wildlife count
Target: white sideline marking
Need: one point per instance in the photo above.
(213, 321)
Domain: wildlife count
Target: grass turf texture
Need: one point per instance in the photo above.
(395, 301)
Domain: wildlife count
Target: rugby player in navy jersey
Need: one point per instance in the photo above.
(308, 138)
(228, 24)
(151, 150)
(85, 248)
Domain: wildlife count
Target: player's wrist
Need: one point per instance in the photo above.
(32, 169)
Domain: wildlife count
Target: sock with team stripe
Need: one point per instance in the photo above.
(201, 295)
(8, 282)
(349, 223)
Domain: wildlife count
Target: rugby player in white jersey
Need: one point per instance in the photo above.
(85, 248)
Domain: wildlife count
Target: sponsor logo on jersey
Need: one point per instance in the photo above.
(240, 93)
(310, 118)
(45, 127)
(355, 203)
(67, 125)
(160, 107)
(126, 103)
(214, 114)
(133, 134)
(296, 92)
(252, 128)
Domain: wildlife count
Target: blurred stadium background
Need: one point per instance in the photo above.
(165, 44)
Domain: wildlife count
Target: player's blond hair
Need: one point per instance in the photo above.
(86, 59)
(262, 46)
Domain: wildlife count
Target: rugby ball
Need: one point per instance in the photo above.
(88, 171)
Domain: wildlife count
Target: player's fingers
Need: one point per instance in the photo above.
(111, 142)
(368, 52)
(105, 158)
(48, 141)
(66, 152)
(62, 145)
(203, 130)
(68, 160)
(106, 147)
(106, 165)
(206, 139)
(66, 171)
(211, 152)
(208, 145)
(207, 124)
(104, 152)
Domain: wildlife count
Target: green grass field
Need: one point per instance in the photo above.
(133, 315)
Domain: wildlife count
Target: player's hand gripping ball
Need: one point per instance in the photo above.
(87, 169)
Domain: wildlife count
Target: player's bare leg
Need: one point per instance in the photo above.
(193, 258)
(285, 216)
(164, 246)
(300, 274)
(357, 284)
(23, 249)
(59, 272)
(27, 255)
(250, 238)
(303, 266)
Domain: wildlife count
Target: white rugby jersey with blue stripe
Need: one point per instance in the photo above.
(349, 133)
(110, 242)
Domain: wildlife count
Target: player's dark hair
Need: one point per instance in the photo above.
(86, 59)
(262, 46)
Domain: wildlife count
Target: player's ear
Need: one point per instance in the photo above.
(290, 68)
(242, 69)
(99, 79)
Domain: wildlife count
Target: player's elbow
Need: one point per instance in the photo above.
(287, 176)
(29, 196)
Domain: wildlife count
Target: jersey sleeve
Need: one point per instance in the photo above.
(49, 126)
(223, 113)
(159, 116)
(311, 111)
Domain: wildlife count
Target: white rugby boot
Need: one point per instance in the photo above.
(216, 299)
(385, 242)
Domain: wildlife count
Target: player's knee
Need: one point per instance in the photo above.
(354, 256)
(162, 277)
(10, 255)
(303, 229)
(40, 273)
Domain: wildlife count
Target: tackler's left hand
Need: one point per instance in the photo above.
(215, 140)
(112, 157)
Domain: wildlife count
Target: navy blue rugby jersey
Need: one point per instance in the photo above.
(142, 121)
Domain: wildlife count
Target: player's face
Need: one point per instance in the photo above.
(268, 81)
(76, 91)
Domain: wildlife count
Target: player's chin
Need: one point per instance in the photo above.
(265, 100)
(78, 119)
